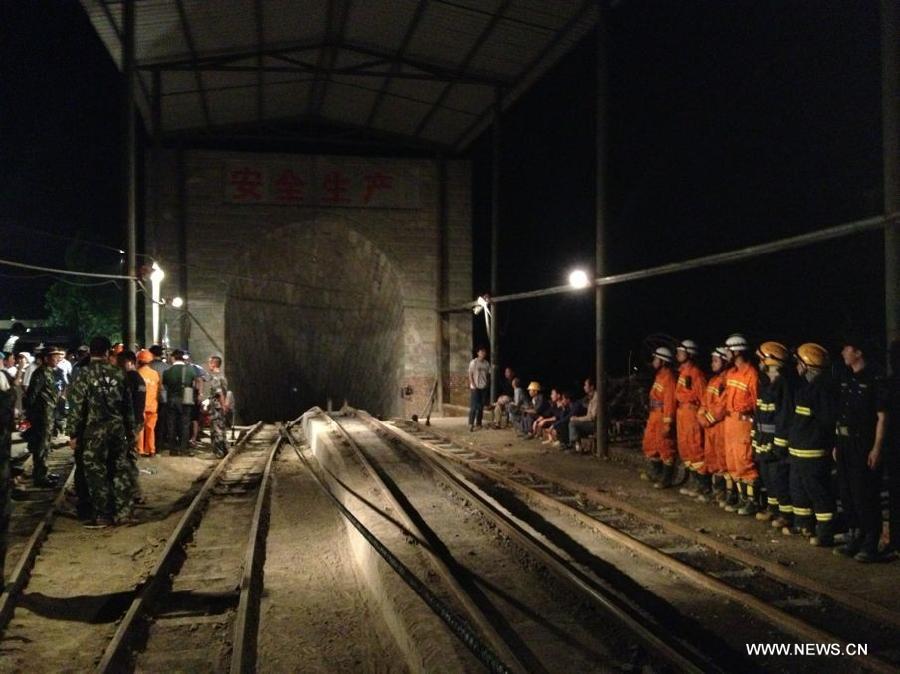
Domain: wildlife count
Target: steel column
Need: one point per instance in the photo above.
(442, 281)
(495, 239)
(602, 437)
(129, 174)
(890, 125)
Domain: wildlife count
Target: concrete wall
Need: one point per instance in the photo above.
(310, 302)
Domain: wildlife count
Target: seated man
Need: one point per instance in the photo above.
(583, 425)
(535, 407)
(520, 401)
(559, 431)
(504, 398)
(547, 417)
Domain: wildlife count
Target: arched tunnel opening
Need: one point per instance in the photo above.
(315, 313)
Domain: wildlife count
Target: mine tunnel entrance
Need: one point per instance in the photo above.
(315, 312)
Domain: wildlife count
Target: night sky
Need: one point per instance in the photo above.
(730, 124)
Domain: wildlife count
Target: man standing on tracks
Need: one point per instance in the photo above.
(41, 399)
(710, 416)
(146, 440)
(740, 399)
(861, 427)
(102, 427)
(7, 423)
(771, 425)
(216, 402)
(809, 444)
(479, 376)
(689, 390)
(659, 435)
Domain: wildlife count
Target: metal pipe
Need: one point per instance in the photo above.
(128, 81)
(890, 143)
(790, 243)
(601, 422)
(495, 240)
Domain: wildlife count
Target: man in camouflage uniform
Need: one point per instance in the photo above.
(216, 390)
(7, 423)
(102, 427)
(41, 399)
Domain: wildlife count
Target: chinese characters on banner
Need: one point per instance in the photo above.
(311, 183)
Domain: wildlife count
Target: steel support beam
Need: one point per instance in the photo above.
(260, 59)
(464, 64)
(155, 159)
(475, 128)
(602, 68)
(442, 321)
(189, 39)
(496, 136)
(395, 64)
(890, 125)
(129, 75)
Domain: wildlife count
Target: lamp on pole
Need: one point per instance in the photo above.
(156, 278)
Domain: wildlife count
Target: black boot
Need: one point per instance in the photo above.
(689, 488)
(653, 471)
(868, 551)
(704, 488)
(751, 504)
(824, 536)
(735, 503)
(665, 480)
(853, 544)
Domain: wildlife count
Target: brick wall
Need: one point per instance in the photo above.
(306, 303)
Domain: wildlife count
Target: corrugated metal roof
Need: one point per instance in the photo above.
(422, 70)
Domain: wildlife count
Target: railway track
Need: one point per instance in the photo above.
(533, 631)
(198, 609)
(30, 523)
(793, 604)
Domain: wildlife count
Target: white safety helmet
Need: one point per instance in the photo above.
(722, 352)
(663, 353)
(690, 346)
(736, 343)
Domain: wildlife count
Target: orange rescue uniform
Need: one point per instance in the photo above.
(689, 391)
(659, 441)
(741, 386)
(710, 416)
(146, 439)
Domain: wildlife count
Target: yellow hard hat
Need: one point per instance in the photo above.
(773, 353)
(812, 355)
(534, 386)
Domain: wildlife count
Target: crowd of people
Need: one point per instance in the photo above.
(783, 436)
(112, 404)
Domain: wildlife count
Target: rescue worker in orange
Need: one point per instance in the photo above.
(710, 417)
(741, 387)
(774, 409)
(146, 439)
(659, 435)
(689, 390)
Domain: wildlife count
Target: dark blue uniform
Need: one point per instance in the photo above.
(862, 397)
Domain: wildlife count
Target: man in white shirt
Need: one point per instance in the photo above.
(479, 383)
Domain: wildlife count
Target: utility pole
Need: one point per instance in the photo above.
(128, 82)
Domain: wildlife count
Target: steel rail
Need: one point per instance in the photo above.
(246, 624)
(769, 613)
(22, 571)
(684, 656)
(447, 574)
(115, 652)
(457, 624)
(873, 611)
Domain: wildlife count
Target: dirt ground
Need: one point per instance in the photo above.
(874, 582)
(84, 579)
